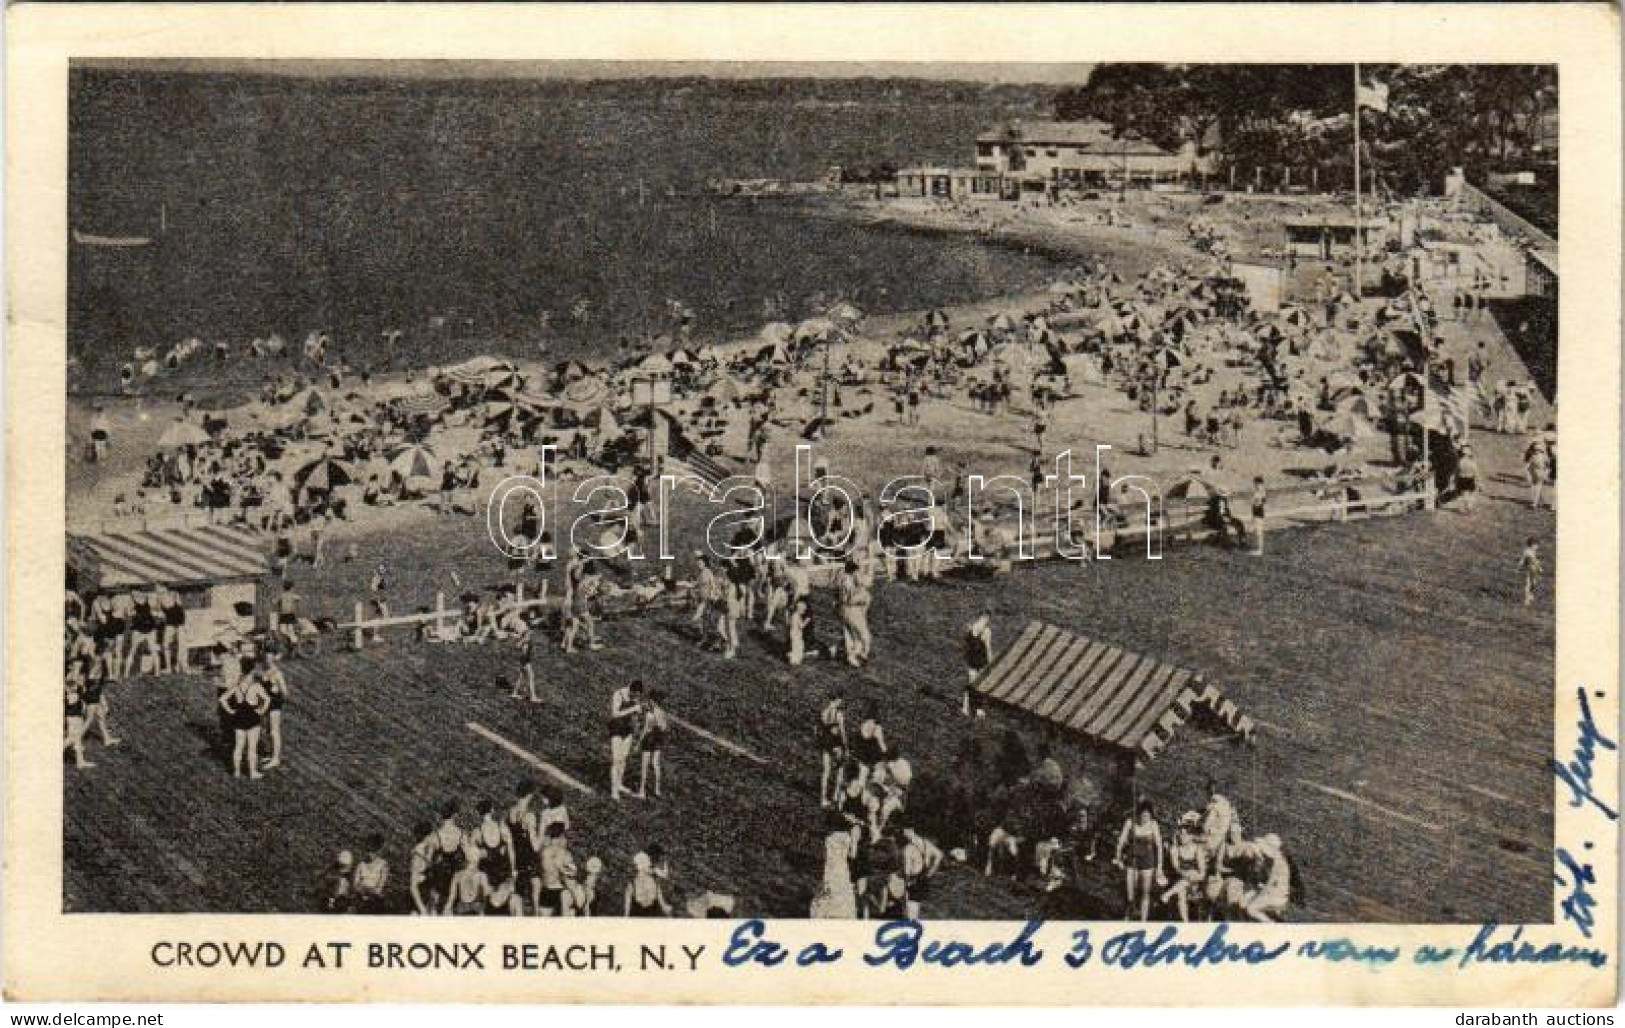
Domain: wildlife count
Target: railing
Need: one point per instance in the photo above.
(1509, 220)
(144, 523)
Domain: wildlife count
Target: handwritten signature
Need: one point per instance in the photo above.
(1576, 773)
(1577, 906)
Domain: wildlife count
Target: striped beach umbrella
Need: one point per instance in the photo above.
(414, 460)
(323, 474)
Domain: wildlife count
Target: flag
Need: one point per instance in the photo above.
(690, 459)
(1374, 96)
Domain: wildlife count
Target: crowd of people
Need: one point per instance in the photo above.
(327, 443)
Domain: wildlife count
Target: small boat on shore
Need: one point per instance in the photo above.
(113, 242)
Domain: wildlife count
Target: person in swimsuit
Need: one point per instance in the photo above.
(371, 877)
(95, 696)
(978, 656)
(529, 648)
(275, 685)
(652, 741)
(338, 885)
(172, 613)
(588, 902)
(118, 627)
(1260, 506)
(424, 902)
(469, 887)
(1141, 842)
(144, 636)
(1188, 858)
(869, 748)
(557, 867)
(887, 899)
(503, 900)
(922, 858)
(245, 706)
(74, 713)
(492, 843)
(524, 829)
(1270, 899)
(625, 706)
(444, 856)
(832, 748)
(644, 897)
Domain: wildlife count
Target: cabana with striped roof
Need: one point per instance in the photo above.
(1126, 701)
(219, 571)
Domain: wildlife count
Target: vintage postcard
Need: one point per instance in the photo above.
(931, 504)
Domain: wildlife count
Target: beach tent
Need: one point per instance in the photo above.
(1108, 695)
(182, 433)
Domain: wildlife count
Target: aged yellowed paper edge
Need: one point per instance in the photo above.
(49, 955)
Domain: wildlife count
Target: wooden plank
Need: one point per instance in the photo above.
(1055, 665)
(1126, 692)
(1027, 660)
(528, 757)
(1064, 687)
(716, 740)
(1087, 684)
(1102, 686)
(1136, 732)
(1000, 669)
(1147, 697)
(1059, 669)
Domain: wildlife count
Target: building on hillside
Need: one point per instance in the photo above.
(1540, 274)
(1077, 154)
(1325, 236)
(930, 180)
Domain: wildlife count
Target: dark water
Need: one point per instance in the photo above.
(292, 205)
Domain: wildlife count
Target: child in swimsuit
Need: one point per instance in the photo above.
(643, 895)
(653, 742)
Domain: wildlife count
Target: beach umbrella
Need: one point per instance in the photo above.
(1297, 317)
(310, 401)
(845, 312)
(776, 332)
(414, 461)
(323, 474)
(726, 388)
(817, 328)
(585, 392)
(182, 433)
(1002, 322)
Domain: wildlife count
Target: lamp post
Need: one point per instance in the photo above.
(652, 392)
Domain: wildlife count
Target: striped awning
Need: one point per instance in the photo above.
(171, 556)
(1107, 693)
(422, 403)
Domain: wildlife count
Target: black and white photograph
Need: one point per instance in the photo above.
(846, 490)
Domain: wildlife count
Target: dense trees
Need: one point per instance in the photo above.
(1296, 118)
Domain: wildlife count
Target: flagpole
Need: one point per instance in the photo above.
(1359, 229)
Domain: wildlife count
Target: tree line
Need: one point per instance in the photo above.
(1299, 118)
